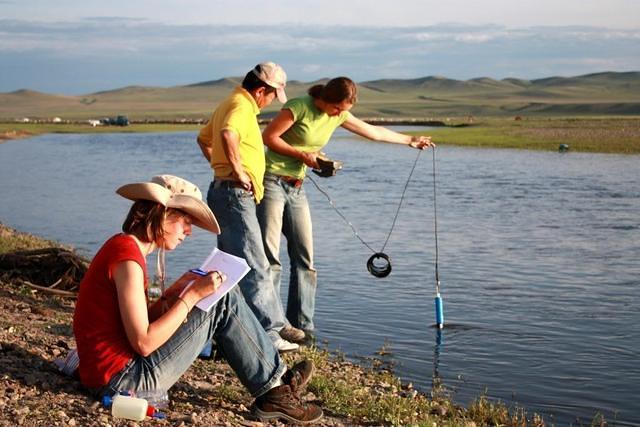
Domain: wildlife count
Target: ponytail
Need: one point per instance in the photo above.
(335, 91)
(316, 91)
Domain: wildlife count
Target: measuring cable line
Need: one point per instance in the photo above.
(435, 220)
(438, 298)
(379, 264)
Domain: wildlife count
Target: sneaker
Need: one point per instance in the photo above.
(298, 376)
(283, 402)
(292, 334)
(284, 345)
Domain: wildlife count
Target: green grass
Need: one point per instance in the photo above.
(598, 135)
(585, 134)
(589, 95)
(12, 240)
(605, 108)
(372, 396)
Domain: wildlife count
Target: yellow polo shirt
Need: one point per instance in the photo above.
(238, 114)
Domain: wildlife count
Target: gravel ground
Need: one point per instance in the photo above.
(35, 329)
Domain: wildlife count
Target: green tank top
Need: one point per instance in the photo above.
(311, 131)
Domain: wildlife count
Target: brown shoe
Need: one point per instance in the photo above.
(292, 334)
(298, 376)
(283, 402)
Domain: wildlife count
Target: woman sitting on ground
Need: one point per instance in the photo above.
(126, 344)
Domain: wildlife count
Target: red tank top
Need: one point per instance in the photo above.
(102, 342)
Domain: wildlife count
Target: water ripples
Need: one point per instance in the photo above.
(539, 257)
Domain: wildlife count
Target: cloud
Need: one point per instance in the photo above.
(111, 52)
(455, 37)
(398, 13)
(141, 35)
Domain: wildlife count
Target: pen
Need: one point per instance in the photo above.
(199, 272)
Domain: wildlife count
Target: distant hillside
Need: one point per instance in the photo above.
(228, 82)
(433, 96)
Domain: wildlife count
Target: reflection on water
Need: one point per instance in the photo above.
(538, 257)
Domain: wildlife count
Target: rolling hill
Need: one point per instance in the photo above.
(607, 93)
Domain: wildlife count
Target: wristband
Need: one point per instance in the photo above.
(185, 304)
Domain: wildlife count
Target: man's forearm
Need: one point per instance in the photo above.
(231, 147)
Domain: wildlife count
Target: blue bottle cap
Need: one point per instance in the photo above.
(159, 415)
(107, 401)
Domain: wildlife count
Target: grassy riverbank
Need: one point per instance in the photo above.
(592, 95)
(597, 135)
(22, 130)
(35, 328)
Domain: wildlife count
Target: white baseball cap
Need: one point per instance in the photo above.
(273, 75)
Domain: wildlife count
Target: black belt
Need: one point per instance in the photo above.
(227, 183)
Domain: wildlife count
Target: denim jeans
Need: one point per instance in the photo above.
(235, 210)
(242, 340)
(284, 209)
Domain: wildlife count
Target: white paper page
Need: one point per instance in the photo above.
(235, 269)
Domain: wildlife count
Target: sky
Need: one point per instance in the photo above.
(84, 46)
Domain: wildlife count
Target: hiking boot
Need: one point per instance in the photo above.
(292, 334)
(298, 376)
(284, 345)
(282, 402)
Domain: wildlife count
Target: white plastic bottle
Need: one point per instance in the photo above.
(159, 399)
(131, 408)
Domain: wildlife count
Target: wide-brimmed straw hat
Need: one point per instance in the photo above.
(173, 192)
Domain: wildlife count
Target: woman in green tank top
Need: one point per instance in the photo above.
(294, 140)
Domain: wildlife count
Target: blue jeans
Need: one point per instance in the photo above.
(235, 210)
(284, 209)
(238, 335)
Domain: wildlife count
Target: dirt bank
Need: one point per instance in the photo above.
(13, 134)
(35, 329)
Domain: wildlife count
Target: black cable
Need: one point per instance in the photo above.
(401, 200)
(373, 265)
(333, 205)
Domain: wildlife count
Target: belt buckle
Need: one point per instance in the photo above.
(293, 181)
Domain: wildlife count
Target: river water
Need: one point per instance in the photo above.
(539, 257)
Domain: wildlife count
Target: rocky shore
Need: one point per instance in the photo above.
(36, 329)
(36, 311)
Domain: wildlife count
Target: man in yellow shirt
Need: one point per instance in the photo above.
(232, 143)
